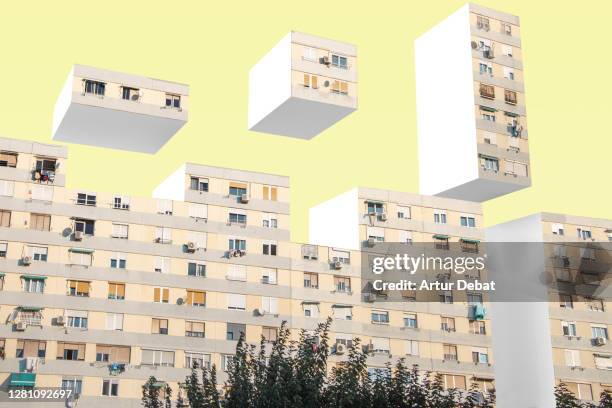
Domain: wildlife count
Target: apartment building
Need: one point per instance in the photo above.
(471, 100)
(304, 85)
(567, 337)
(112, 109)
(99, 291)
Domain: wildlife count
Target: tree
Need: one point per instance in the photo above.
(240, 381)
(605, 400)
(311, 365)
(349, 385)
(193, 387)
(167, 396)
(209, 387)
(150, 394)
(565, 398)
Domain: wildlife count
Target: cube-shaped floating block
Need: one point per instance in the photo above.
(302, 86)
(471, 120)
(112, 109)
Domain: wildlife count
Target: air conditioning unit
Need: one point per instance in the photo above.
(241, 253)
(244, 198)
(600, 341)
(21, 326)
(340, 348)
(60, 320)
(260, 312)
(191, 247)
(337, 265)
(324, 60)
(78, 235)
(265, 279)
(370, 242)
(370, 297)
(26, 260)
(382, 216)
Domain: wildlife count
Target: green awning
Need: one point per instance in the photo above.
(340, 306)
(310, 302)
(33, 277)
(374, 202)
(82, 250)
(22, 380)
(159, 384)
(487, 109)
(470, 241)
(30, 308)
(1, 274)
(512, 115)
(440, 236)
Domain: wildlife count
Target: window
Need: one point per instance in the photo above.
(584, 233)
(164, 207)
(78, 288)
(237, 244)
(486, 68)
(194, 329)
(120, 231)
(198, 211)
(569, 328)
(116, 290)
(342, 284)
(118, 260)
(110, 388)
(114, 321)
(8, 159)
(158, 358)
(474, 299)
(448, 324)
(162, 264)
(375, 207)
(113, 354)
(270, 334)
(343, 257)
(198, 238)
(487, 91)
(270, 193)
(342, 312)
(441, 242)
(599, 331)
(82, 257)
(70, 351)
(446, 297)
(311, 280)
(566, 301)
(489, 163)
(269, 248)
(84, 226)
(269, 221)
(339, 87)
(269, 304)
(339, 61)
(558, 229)
(310, 252)
(572, 358)
(603, 361)
(163, 235)
(454, 381)
(509, 73)
(5, 218)
(488, 116)
(31, 348)
(196, 298)
(480, 356)
(196, 269)
(467, 221)
(309, 54)
(33, 284)
(405, 237)
(173, 101)
(268, 276)
(161, 295)
(129, 94)
(237, 189)
(450, 352)
(581, 391)
(195, 359)
(72, 384)
(236, 302)
(226, 361)
(159, 326)
(94, 87)
(506, 29)
(310, 309)
(478, 327)
(236, 218)
(237, 272)
(40, 222)
(380, 317)
(198, 183)
(234, 330)
(76, 318)
(403, 213)
(510, 97)
(7, 188)
(375, 233)
(121, 203)
(482, 23)
(380, 345)
(410, 320)
(311, 81)
(595, 305)
(86, 199)
(507, 50)
(439, 217)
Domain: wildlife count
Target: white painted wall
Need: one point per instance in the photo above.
(521, 330)
(335, 222)
(173, 187)
(445, 105)
(63, 102)
(270, 81)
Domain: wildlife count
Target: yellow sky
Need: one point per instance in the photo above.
(212, 45)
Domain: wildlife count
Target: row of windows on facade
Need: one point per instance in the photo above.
(98, 88)
(484, 23)
(511, 167)
(325, 57)
(235, 189)
(583, 233)
(405, 213)
(488, 69)
(335, 86)
(488, 92)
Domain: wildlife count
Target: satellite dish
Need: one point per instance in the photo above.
(326, 83)
(180, 301)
